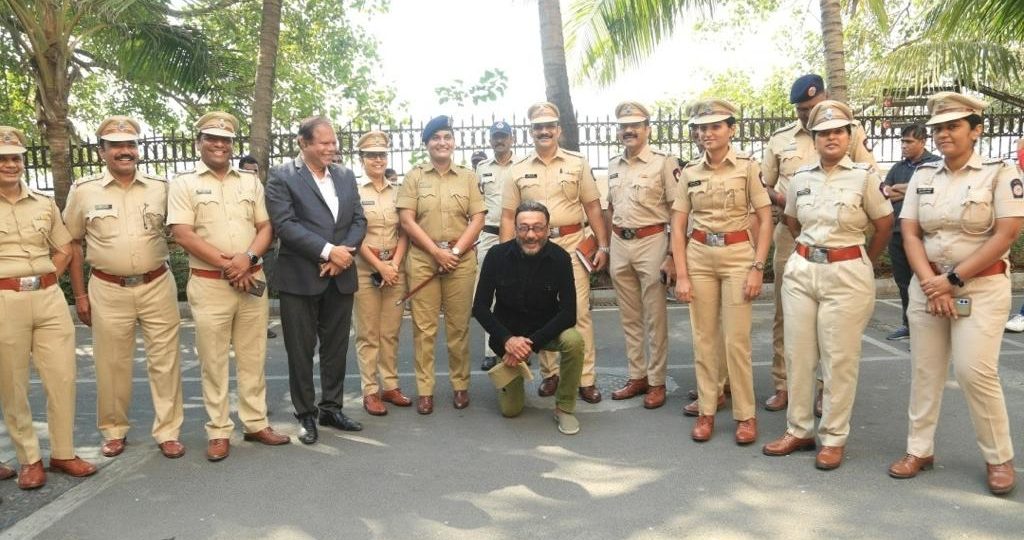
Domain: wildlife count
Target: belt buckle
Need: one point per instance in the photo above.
(553, 232)
(30, 283)
(818, 255)
(133, 281)
(444, 245)
(628, 234)
(715, 239)
(385, 254)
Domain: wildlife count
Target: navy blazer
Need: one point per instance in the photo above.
(304, 223)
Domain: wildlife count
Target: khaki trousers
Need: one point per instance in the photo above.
(487, 241)
(37, 324)
(378, 321)
(827, 307)
(512, 397)
(584, 322)
(224, 318)
(973, 343)
(451, 293)
(115, 310)
(784, 246)
(636, 275)
(720, 314)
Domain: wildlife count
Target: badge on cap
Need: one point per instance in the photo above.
(221, 124)
(627, 110)
(7, 138)
(811, 91)
(706, 111)
(500, 125)
(121, 126)
(828, 113)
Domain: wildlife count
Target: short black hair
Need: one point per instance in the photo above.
(917, 131)
(308, 125)
(974, 120)
(533, 206)
(390, 172)
(247, 159)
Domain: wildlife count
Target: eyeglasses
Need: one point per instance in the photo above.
(374, 155)
(536, 229)
(544, 126)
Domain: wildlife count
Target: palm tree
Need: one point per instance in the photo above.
(556, 76)
(835, 52)
(59, 42)
(263, 99)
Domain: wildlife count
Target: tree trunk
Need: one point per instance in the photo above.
(556, 77)
(263, 98)
(835, 55)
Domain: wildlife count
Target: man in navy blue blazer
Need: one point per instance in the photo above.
(316, 213)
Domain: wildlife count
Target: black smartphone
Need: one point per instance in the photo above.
(258, 288)
(377, 279)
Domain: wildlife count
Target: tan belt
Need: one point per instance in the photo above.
(719, 239)
(218, 274)
(28, 283)
(130, 281)
(642, 232)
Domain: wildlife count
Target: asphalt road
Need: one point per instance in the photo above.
(630, 473)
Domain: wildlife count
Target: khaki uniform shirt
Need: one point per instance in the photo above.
(957, 209)
(641, 189)
(792, 147)
(834, 209)
(224, 213)
(29, 229)
(381, 215)
(719, 200)
(123, 228)
(443, 204)
(493, 177)
(564, 186)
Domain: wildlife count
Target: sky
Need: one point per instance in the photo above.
(426, 44)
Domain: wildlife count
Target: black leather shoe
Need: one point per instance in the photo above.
(337, 419)
(308, 422)
(488, 363)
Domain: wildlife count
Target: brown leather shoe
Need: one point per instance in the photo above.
(692, 394)
(460, 399)
(632, 388)
(1001, 478)
(425, 404)
(32, 476)
(548, 386)
(817, 403)
(703, 428)
(590, 394)
(268, 437)
(655, 397)
(746, 431)
(172, 449)
(373, 405)
(218, 449)
(693, 409)
(909, 465)
(75, 466)
(113, 447)
(395, 397)
(6, 472)
(829, 457)
(778, 401)
(786, 445)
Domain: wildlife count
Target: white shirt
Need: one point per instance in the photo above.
(326, 186)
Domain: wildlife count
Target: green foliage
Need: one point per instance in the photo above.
(735, 87)
(491, 86)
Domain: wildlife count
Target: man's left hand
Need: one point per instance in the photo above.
(600, 260)
(519, 347)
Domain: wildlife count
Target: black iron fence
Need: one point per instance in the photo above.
(175, 152)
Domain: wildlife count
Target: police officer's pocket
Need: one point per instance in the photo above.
(208, 209)
(700, 194)
(850, 212)
(977, 216)
(570, 184)
(154, 222)
(530, 189)
(246, 207)
(734, 290)
(789, 163)
(459, 203)
(736, 192)
(103, 222)
(648, 191)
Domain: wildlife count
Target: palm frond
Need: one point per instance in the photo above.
(940, 61)
(175, 57)
(954, 17)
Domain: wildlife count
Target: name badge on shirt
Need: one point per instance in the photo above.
(104, 207)
(530, 175)
(204, 192)
(693, 183)
(802, 192)
(925, 190)
(614, 176)
(486, 174)
(369, 203)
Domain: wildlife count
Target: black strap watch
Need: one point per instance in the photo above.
(954, 278)
(253, 258)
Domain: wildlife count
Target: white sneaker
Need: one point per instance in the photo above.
(567, 423)
(1016, 323)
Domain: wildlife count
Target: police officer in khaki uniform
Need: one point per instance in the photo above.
(788, 149)
(219, 216)
(562, 181)
(442, 212)
(34, 249)
(120, 214)
(381, 280)
(959, 218)
(493, 173)
(641, 189)
(719, 270)
(828, 293)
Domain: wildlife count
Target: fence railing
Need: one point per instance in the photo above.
(175, 152)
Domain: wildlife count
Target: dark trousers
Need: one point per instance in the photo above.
(304, 320)
(901, 272)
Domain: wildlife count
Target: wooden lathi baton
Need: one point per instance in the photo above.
(436, 273)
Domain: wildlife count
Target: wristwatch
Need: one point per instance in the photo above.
(604, 249)
(758, 265)
(954, 278)
(456, 251)
(253, 258)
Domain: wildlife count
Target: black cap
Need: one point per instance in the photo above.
(806, 87)
(436, 124)
(478, 156)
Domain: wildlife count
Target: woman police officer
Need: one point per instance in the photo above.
(719, 271)
(828, 292)
(959, 218)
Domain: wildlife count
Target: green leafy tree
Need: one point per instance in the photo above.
(491, 85)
